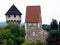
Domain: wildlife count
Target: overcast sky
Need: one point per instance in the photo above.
(50, 9)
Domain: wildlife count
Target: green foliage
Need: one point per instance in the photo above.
(27, 43)
(10, 41)
(59, 25)
(38, 42)
(15, 29)
(22, 32)
(53, 37)
(54, 24)
(5, 34)
(19, 40)
(46, 27)
(33, 43)
(12, 34)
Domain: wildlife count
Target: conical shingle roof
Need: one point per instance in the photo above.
(13, 11)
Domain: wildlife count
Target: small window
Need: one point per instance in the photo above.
(29, 24)
(11, 20)
(9, 16)
(14, 20)
(14, 15)
(33, 33)
(34, 24)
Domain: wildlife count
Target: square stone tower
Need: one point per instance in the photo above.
(13, 15)
(33, 23)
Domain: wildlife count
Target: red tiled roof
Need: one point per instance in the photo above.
(33, 14)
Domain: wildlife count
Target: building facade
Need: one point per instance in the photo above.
(13, 15)
(33, 24)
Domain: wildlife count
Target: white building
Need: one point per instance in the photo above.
(13, 15)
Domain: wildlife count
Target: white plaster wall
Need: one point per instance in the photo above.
(13, 18)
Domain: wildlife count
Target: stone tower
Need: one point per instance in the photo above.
(13, 15)
(33, 24)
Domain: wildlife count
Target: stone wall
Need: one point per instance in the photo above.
(34, 33)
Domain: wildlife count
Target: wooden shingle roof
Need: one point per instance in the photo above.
(33, 14)
(13, 11)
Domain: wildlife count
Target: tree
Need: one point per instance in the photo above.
(54, 24)
(59, 25)
(5, 34)
(19, 40)
(27, 43)
(53, 37)
(15, 29)
(33, 43)
(10, 41)
(46, 27)
(18, 32)
(22, 32)
(38, 42)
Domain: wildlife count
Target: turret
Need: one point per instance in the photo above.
(13, 15)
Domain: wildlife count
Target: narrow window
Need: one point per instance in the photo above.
(33, 33)
(14, 16)
(9, 16)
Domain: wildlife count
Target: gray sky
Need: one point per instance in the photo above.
(50, 9)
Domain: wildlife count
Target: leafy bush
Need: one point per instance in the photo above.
(46, 27)
(27, 43)
(53, 37)
(19, 40)
(12, 34)
(33, 43)
(54, 24)
(38, 42)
